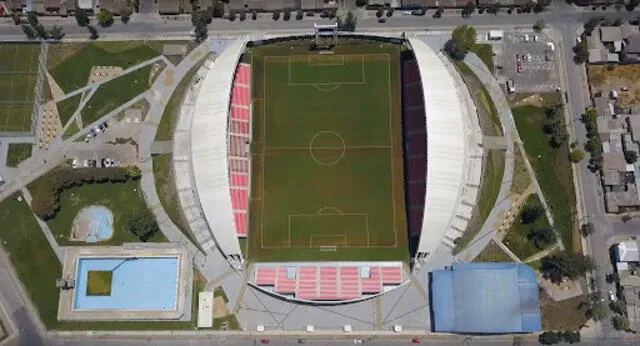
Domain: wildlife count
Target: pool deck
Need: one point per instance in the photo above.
(183, 296)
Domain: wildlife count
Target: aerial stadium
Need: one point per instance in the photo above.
(328, 167)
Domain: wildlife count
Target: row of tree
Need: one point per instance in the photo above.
(34, 29)
(46, 198)
(550, 337)
(554, 127)
(540, 236)
(463, 39)
(594, 142)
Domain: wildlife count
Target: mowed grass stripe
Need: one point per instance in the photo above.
(348, 127)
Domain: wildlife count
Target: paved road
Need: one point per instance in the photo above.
(149, 27)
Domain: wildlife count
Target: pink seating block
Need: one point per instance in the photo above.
(239, 113)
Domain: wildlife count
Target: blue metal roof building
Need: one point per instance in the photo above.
(485, 298)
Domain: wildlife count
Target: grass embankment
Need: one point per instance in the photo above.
(18, 152)
(71, 63)
(493, 165)
(493, 253)
(67, 107)
(485, 53)
(521, 177)
(517, 238)
(552, 168)
(172, 109)
(123, 199)
(163, 176)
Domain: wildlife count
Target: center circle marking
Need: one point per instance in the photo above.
(330, 136)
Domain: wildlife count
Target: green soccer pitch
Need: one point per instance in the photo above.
(327, 167)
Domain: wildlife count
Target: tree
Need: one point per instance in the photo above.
(143, 224)
(549, 338)
(630, 156)
(379, 12)
(571, 337)
(218, 10)
(16, 19)
(361, 3)
(576, 155)
(465, 37)
(543, 237)
(468, 9)
(125, 14)
(286, 15)
(390, 12)
(619, 307)
(591, 24)
(570, 265)
(276, 15)
(620, 322)
(41, 31)
(347, 22)
(598, 311)
(32, 18)
(82, 17)
(451, 48)
(105, 18)
(201, 32)
(587, 229)
(243, 16)
(540, 5)
(632, 5)
(56, 33)
(299, 14)
(439, 12)
(530, 213)
(493, 8)
(93, 31)
(539, 25)
(29, 31)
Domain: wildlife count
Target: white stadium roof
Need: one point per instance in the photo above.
(446, 143)
(209, 147)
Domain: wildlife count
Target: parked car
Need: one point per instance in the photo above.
(535, 38)
(612, 296)
(75, 163)
(85, 163)
(511, 88)
(527, 38)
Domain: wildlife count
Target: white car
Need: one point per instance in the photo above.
(612, 296)
(535, 38)
(75, 163)
(579, 39)
(526, 38)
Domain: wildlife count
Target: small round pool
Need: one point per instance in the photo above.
(93, 224)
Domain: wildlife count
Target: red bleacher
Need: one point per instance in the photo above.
(239, 137)
(324, 282)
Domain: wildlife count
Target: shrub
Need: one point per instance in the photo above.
(576, 156)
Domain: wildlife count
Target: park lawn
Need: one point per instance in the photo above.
(171, 113)
(123, 199)
(18, 152)
(569, 314)
(165, 187)
(71, 63)
(33, 259)
(485, 53)
(99, 283)
(114, 93)
(67, 107)
(493, 253)
(322, 131)
(493, 172)
(521, 177)
(72, 130)
(552, 168)
(517, 238)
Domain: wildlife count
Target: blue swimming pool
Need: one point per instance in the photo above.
(145, 283)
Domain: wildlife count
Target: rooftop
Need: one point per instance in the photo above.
(486, 298)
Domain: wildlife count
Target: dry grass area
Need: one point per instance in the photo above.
(604, 78)
(569, 314)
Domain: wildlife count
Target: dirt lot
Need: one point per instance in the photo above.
(568, 314)
(606, 78)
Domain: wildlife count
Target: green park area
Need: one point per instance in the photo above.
(327, 154)
(123, 199)
(530, 232)
(67, 107)
(18, 72)
(18, 152)
(99, 282)
(542, 130)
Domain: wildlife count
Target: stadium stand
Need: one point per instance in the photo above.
(328, 282)
(415, 139)
(239, 137)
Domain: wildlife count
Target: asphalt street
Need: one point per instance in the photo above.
(565, 18)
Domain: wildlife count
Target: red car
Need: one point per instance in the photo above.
(265, 341)
(416, 341)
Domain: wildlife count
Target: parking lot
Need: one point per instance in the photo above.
(528, 59)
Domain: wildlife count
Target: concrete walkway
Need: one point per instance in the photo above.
(45, 228)
(503, 203)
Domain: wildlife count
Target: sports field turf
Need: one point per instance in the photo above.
(327, 168)
(18, 70)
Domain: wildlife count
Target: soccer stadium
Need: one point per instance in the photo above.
(326, 171)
